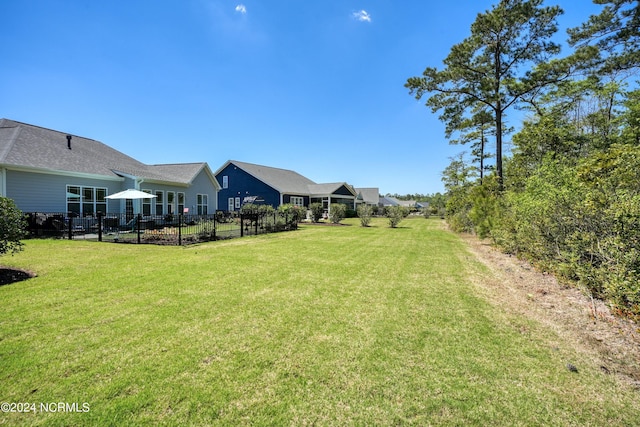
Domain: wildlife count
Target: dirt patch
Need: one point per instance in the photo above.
(585, 323)
(12, 275)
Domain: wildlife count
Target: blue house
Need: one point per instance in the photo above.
(44, 170)
(243, 182)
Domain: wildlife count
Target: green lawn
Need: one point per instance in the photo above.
(321, 326)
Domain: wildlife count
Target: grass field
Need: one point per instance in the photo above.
(321, 326)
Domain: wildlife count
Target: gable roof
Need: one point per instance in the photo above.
(329, 188)
(282, 180)
(32, 147)
(388, 201)
(369, 195)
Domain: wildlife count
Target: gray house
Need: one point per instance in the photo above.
(44, 170)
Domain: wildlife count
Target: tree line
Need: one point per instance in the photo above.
(567, 197)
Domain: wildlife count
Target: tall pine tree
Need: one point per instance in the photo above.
(507, 57)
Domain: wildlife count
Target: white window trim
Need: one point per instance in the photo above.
(202, 200)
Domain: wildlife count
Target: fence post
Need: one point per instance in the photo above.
(241, 225)
(258, 216)
(180, 229)
(70, 229)
(99, 226)
(215, 221)
(139, 220)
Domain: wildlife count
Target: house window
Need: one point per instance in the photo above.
(297, 201)
(237, 202)
(159, 202)
(171, 202)
(146, 204)
(73, 199)
(180, 203)
(86, 201)
(203, 204)
(225, 181)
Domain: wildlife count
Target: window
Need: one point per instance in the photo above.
(171, 202)
(73, 199)
(203, 204)
(180, 203)
(231, 203)
(159, 202)
(86, 201)
(297, 201)
(237, 202)
(225, 181)
(146, 204)
(101, 200)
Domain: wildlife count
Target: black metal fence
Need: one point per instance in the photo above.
(158, 229)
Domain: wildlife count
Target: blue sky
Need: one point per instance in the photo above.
(315, 86)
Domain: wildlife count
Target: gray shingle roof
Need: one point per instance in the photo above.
(27, 146)
(287, 181)
(369, 195)
(328, 188)
(284, 180)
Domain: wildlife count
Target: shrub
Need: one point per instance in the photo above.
(396, 214)
(317, 210)
(365, 213)
(12, 227)
(292, 213)
(485, 209)
(250, 208)
(457, 209)
(337, 213)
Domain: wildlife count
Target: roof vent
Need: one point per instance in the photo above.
(69, 141)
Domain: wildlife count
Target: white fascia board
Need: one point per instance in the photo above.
(64, 173)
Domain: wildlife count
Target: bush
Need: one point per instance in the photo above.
(317, 210)
(12, 227)
(249, 209)
(365, 212)
(337, 212)
(396, 214)
(485, 210)
(292, 213)
(457, 209)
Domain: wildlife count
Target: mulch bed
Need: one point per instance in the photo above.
(12, 275)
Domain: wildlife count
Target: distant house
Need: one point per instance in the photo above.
(45, 170)
(368, 196)
(392, 201)
(387, 201)
(243, 182)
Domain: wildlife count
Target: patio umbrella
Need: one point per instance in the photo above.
(131, 194)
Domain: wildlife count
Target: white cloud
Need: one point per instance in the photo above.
(362, 16)
(241, 8)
